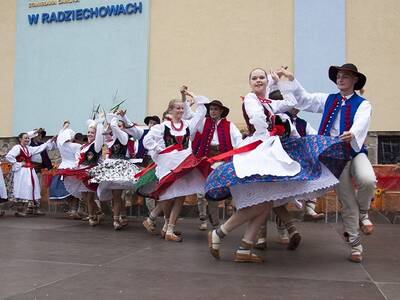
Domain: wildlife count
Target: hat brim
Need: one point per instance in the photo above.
(149, 118)
(362, 79)
(225, 110)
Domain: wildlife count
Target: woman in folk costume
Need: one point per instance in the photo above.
(271, 172)
(177, 169)
(26, 183)
(115, 174)
(68, 150)
(347, 115)
(76, 180)
(3, 190)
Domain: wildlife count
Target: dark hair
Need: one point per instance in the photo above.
(43, 133)
(20, 136)
(265, 72)
(275, 95)
(78, 137)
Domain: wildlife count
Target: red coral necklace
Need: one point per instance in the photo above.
(176, 128)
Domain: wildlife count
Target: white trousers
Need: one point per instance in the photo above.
(355, 198)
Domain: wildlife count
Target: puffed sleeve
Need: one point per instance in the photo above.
(131, 128)
(99, 138)
(196, 123)
(154, 139)
(118, 133)
(311, 102)
(256, 115)
(187, 111)
(11, 158)
(39, 149)
(289, 101)
(360, 126)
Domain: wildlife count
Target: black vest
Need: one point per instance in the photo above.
(170, 139)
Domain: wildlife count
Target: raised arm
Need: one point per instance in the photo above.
(131, 128)
(288, 102)
(39, 149)
(311, 102)
(99, 139)
(187, 111)
(119, 134)
(196, 123)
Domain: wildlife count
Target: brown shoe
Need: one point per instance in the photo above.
(294, 241)
(176, 232)
(214, 252)
(367, 229)
(117, 225)
(261, 244)
(355, 257)
(93, 221)
(123, 220)
(73, 215)
(173, 237)
(38, 212)
(150, 227)
(310, 218)
(247, 257)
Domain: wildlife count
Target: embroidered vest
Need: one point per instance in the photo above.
(24, 156)
(202, 141)
(90, 157)
(170, 139)
(270, 119)
(347, 112)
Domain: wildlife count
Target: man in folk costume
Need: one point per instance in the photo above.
(304, 128)
(347, 115)
(215, 136)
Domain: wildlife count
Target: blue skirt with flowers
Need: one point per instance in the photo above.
(308, 151)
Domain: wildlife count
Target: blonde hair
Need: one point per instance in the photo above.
(172, 103)
(265, 72)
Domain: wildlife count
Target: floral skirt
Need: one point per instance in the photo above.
(113, 174)
(312, 180)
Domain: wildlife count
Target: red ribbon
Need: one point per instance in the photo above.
(239, 150)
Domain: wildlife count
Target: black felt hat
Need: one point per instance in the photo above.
(154, 118)
(333, 70)
(225, 110)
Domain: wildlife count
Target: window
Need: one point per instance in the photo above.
(388, 149)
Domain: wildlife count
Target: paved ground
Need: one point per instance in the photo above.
(54, 258)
